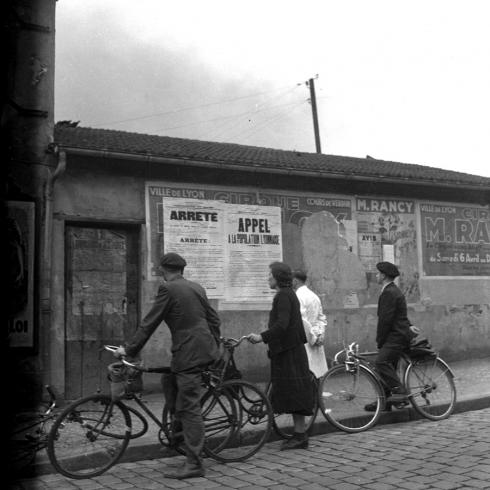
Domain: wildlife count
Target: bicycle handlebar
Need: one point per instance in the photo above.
(231, 342)
(352, 350)
(228, 342)
(139, 367)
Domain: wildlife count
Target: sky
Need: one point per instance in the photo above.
(405, 81)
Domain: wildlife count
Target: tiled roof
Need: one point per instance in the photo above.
(251, 156)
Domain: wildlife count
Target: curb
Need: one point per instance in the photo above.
(144, 449)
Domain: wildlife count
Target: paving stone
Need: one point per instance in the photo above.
(416, 455)
(445, 485)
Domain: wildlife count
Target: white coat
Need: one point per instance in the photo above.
(314, 322)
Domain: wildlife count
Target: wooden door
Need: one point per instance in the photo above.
(101, 302)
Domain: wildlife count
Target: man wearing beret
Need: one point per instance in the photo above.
(392, 335)
(195, 330)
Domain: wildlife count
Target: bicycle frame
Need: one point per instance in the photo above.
(237, 419)
(354, 358)
(211, 378)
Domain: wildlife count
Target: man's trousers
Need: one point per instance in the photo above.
(183, 393)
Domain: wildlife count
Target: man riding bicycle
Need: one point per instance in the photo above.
(392, 335)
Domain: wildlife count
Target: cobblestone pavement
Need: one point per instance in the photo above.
(449, 454)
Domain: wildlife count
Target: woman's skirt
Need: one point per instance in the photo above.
(292, 387)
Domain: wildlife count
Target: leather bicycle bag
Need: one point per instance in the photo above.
(420, 348)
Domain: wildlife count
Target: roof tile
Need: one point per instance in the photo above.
(234, 154)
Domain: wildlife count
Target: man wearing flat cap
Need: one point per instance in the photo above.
(195, 330)
(392, 335)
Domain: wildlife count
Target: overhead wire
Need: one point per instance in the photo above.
(251, 114)
(232, 116)
(189, 108)
(250, 131)
(224, 127)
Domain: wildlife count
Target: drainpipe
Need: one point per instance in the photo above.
(47, 247)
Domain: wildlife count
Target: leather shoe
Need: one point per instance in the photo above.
(397, 396)
(298, 441)
(189, 470)
(371, 407)
(400, 405)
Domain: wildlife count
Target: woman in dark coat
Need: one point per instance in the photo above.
(285, 338)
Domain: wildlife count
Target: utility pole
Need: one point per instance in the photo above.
(311, 84)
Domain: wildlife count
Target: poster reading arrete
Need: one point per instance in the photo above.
(194, 229)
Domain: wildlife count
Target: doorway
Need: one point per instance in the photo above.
(101, 302)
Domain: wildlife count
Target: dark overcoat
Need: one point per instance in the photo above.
(292, 389)
(285, 323)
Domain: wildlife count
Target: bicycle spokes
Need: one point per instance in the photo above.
(431, 388)
(246, 416)
(344, 396)
(89, 436)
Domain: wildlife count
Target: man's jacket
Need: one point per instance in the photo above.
(393, 323)
(194, 325)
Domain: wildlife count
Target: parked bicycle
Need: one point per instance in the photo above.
(30, 433)
(92, 433)
(352, 383)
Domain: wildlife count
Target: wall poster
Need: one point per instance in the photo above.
(20, 284)
(383, 222)
(228, 246)
(253, 238)
(194, 228)
(387, 232)
(455, 240)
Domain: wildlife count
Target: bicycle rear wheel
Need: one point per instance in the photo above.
(89, 436)
(431, 388)
(283, 422)
(343, 395)
(248, 417)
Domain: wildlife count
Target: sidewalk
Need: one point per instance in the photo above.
(472, 380)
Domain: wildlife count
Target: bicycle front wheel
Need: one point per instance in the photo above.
(89, 436)
(431, 388)
(248, 416)
(26, 438)
(345, 394)
(283, 422)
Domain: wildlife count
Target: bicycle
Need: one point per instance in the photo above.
(92, 434)
(30, 433)
(282, 422)
(352, 383)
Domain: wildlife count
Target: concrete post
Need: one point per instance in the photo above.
(27, 124)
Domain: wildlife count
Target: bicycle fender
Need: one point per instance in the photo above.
(450, 371)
